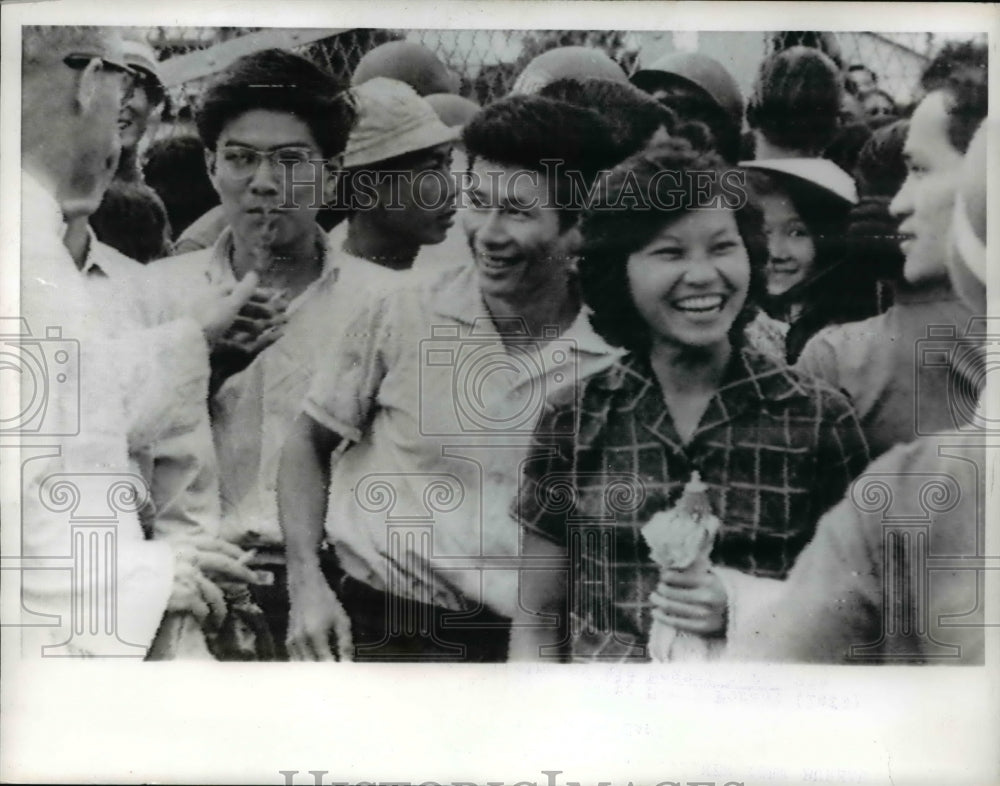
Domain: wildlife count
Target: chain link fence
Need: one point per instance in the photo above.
(487, 61)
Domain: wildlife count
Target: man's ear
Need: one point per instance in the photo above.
(332, 171)
(88, 85)
(210, 165)
(573, 238)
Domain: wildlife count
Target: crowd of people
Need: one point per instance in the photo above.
(402, 378)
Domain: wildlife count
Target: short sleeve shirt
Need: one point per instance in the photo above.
(440, 412)
(775, 448)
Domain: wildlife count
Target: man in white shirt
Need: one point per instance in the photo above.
(428, 406)
(270, 156)
(76, 471)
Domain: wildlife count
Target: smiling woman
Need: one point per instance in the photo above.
(810, 281)
(676, 289)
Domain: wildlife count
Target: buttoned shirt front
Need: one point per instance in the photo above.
(439, 411)
(253, 410)
(774, 447)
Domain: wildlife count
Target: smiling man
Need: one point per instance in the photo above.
(427, 409)
(875, 361)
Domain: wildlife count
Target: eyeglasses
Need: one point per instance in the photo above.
(80, 61)
(242, 162)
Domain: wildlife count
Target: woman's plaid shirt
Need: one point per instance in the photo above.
(777, 448)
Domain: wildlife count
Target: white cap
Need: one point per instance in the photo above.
(818, 171)
(392, 120)
(139, 54)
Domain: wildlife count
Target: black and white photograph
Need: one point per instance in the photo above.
(444, 392)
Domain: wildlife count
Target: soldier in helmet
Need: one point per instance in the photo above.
(566, 62)
(408, 62)
(698, 87)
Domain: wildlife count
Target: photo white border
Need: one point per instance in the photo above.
(125, 722)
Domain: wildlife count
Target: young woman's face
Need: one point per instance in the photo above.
(690, 282)
(790, 246)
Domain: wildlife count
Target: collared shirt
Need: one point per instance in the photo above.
(202, 232)
(253, 410)
(83, 423)
(775, 448)
(897, 367)
(440, 411)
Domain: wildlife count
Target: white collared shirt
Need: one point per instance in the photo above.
(441, 411)
(253, 411)
(83, 419)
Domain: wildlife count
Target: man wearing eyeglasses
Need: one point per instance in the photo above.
(274, 126)
(73, 82)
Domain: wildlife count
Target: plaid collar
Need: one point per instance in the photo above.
(751, 380)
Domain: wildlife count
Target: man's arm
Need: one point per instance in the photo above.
(303, 481)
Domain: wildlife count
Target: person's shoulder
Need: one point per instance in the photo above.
(115, 262)
(204, 231)
(794, 388)
(363, 274)
(847, 337)
(604, 384)
(826, 396)
(189, 262)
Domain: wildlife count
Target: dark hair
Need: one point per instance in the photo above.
(132, 220)
(175, 169)
(692, 104)
(796, 100)
(960, 69)
(611, 235)
(527, 130)
(881, 168)
(279, 81)
(632, 115)
(824, 214)
(823, 41)
(847, 144)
